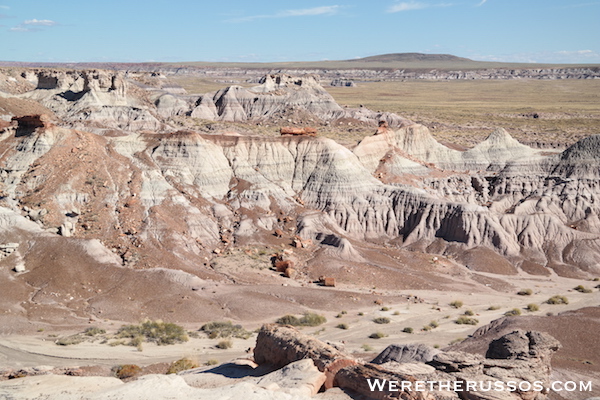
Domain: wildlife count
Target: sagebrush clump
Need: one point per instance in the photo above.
(456, 304)
(557, 299)
(69, 340)
(382, 320)
(464, 320)
(513, 313)
(224, 344)
(182, 365)
(162, 333)
(226, 329)
(308, 319)
(93, 331)
(377, 335)
(582, 289)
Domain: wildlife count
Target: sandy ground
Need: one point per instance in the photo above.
(424, 306)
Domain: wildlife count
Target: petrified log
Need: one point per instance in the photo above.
(306, 131)
(280, 345)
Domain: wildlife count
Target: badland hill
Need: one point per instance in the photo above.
(117, 186)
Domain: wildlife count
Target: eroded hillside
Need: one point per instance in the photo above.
(110, 201)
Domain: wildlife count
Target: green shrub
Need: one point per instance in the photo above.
(366, 347)
(126, 371)
(308, 319)
(426, 328)
(162, 333)
(385, 309)
(513, 313)
(224, 344)
(456, 304)
(93, 331)
(360, 314)
(226, 329)
(396, 313)
(582, 289)
(532, 307)
(525, 292)
(377, 335)
(182, 365)
(493, 308)
(382, 320)
(464, 320)
(342, 326)
(408, 329)
(69, 340)
(557, 299)
(137, 342)
(470, 313)
(434, 324)
(212, 361)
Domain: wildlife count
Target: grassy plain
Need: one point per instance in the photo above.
(466, 111)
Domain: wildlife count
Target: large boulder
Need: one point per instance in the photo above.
(522, 345)
(406, 353)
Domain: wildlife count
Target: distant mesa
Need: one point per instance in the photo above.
(408, 57)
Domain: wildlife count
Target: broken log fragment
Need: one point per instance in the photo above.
(281, 266)
(327, 281)
(290, 130)
(382, 128)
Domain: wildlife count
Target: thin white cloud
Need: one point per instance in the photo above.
(4, 7)
(39, 22)
(33, 25)
(323, 10)
(482, 2)
(413, 5)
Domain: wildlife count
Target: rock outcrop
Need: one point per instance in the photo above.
(409, 353)
(518, 358)
(96, 100)
(278, 94)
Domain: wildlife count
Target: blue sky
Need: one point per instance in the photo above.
(559, 31)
